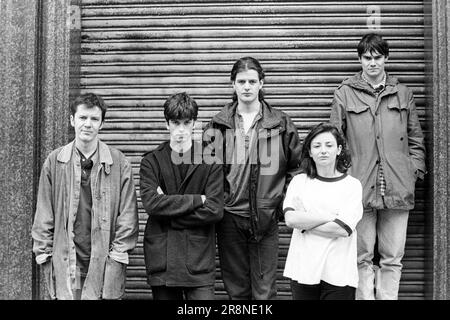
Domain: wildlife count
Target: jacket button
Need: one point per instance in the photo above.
(378, 137)
(401, 139)
(372, 187)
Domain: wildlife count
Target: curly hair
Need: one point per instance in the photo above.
(343, 160)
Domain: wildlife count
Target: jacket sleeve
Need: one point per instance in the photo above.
(415, 139)
(338, 115)
(163, 205)
(127, 223)
(293, 151)
(44, 219)
(212, 210)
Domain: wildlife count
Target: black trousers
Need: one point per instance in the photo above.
(183, 293)
(249, 268)
(321, 291)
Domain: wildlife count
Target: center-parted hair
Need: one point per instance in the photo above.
(371, 43)
(244, 64)
(90, 100)
(343, 160)
(180, 106)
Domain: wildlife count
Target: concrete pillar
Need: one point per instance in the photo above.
(34, 90)
(18, 29)
(440, 155)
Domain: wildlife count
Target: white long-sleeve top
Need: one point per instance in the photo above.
(311, 257)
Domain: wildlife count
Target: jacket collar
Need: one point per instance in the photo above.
(162, 156)
(269, 118)
(358, 82)
(104, 155)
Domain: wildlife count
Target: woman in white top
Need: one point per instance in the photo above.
(323, 205)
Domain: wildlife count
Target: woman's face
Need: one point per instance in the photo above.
(324, 150)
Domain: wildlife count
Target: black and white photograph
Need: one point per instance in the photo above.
(228, 156)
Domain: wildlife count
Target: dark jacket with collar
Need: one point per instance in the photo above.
(382, 129)
(179, 238)
(277, 160)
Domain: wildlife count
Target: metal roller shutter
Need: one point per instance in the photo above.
(136, 53)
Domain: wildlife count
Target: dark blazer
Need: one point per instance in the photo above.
(179, 238)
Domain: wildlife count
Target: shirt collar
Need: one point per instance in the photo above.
(380, 85)
(103, 153)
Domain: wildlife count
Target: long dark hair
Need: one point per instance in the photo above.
(244, 64)
(343, 160)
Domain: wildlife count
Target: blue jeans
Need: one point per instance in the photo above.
(249, 268)
(389, 226)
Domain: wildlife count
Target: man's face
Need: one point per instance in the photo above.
(180, 130)
(372, 64)
(87, 122)
(247, 86)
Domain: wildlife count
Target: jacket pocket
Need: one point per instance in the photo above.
(413, 170)
(395, 104)
(155, 253)
(399, 108)
(47, 269)
(114, 279)
(357, 108)
(200, 254)
(267, 213)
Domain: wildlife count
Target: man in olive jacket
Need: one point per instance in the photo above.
(378, 116)
(183, 197)
(86, 220)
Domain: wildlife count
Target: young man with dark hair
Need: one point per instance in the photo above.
(86, 219)
(378, 116)
(183, 197)
(261, 154)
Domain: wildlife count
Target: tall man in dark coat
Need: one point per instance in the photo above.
(183, 197)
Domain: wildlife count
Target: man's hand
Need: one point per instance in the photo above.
(159, 190)
(203, 198)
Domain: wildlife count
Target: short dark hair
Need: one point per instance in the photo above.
(180, 106)
(371, 43)
(90, 100)
(343, 160)
(244, 64)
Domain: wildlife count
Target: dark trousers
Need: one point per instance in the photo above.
(183, 293)
(321, 291)
(249, 268)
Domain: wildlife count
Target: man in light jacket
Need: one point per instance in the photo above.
(378, 116)
(86, 220)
